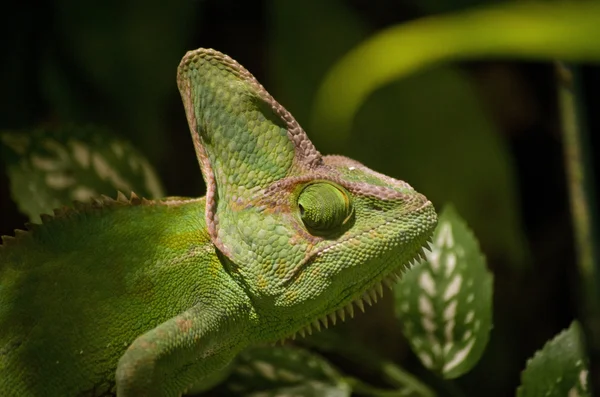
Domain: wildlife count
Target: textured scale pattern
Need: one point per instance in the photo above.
(152, 298)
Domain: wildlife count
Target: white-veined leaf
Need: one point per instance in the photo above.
(284, 371)
(49, 168)
(445, 302)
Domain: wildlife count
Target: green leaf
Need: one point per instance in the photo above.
(49, 168)
(520, 30)
(416, 129)
(445, 302)
(284, 371)
(559, 369)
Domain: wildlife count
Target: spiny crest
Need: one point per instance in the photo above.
(370, 297)
(78, 208)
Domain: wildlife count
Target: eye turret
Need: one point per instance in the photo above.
(324, 207)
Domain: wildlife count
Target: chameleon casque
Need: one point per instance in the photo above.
(148, 297)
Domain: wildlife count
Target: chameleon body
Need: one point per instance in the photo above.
(147, 298)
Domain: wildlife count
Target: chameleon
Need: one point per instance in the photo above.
(139, 297)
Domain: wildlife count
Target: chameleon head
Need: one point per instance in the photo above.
(346, 229)
(304, 234)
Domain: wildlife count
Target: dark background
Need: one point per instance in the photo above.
(483, 135)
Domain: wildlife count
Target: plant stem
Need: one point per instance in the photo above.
(580, 180)
(399, 377)
(407, 384)
(362, 388)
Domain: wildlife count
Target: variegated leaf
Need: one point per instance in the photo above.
(445, 302)
(284, 371)
(49, 168)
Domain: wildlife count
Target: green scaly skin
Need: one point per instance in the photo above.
(147, 298)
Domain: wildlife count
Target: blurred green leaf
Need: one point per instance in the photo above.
(49, 168)
(430, 130)
(559, 369)
(445, 302)
(284, 371)
(522, 30)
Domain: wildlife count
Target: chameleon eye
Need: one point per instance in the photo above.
(324, 207)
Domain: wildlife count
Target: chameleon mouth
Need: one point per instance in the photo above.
(370, 296)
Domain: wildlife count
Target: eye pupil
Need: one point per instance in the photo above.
(324, 207)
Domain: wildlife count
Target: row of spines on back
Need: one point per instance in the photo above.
(78, 208)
